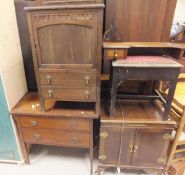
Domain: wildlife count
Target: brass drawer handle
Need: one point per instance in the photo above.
(74, 140)
(36, 136)
(48, 77)
(50, 93)
(87, 93)
(115, 54)
(34, 123)
(87, 78)
(74, 125)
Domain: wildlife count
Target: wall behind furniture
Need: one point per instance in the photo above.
(13, 83)
(11, 62)
(180, 11)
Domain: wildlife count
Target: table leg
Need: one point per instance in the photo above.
(172, 86)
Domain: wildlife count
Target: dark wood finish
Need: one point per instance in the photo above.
(55, 137)
(151, 147)
(141, 20)
(146, 136)
(144, 68)
(63, 38)
(69, 94)
(68, 78)
(111, 151)
(29, 106)
(69, 126)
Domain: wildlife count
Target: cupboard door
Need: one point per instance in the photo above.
(110, 140)
(150, 147)
(65, 40)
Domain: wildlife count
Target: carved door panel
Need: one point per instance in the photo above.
(150, 147)
(110, 142)
(65, 39)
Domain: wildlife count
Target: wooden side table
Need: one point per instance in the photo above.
(144, 68)
(65, 125)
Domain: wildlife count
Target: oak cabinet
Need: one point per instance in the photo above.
(66, 46)
(141, 147)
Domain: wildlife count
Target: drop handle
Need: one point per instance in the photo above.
(87, 93)
(48, 77)
(36, 136)
(74, 125)
(87, 78)
(34, 123)
(74, 140)
(50, 93)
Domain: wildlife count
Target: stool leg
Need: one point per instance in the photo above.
(113, 91)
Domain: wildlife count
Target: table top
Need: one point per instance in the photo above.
(60, 109)
(126, 45)
(147, 61)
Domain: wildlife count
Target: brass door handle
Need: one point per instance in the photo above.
(34, 123)
(87, 93)
(48, 77)
(87, 78)
(50, 93)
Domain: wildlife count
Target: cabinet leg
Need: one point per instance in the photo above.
(91, 160)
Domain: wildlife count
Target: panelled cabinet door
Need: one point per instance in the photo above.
(110, 139)
(65, 39)
(150, 147)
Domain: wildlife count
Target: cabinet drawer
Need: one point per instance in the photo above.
(116, 53)
(68, 78)
(69, 124)
(69, 94)
(55, 137)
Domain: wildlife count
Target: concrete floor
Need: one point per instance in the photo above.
(50, 160)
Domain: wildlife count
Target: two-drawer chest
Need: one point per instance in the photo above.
(67, 46)
(66, 124)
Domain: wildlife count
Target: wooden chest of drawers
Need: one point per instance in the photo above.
(68, 126)
(66, 45)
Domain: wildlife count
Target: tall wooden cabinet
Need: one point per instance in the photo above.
(66, 46)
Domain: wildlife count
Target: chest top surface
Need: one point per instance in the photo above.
(29, 105)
